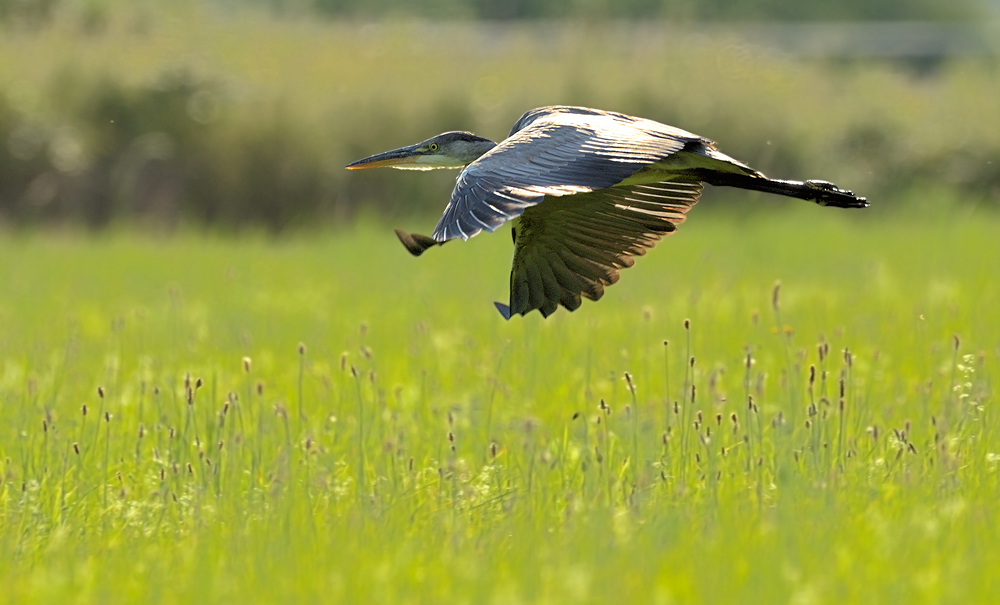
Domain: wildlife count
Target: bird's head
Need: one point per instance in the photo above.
(448, 150)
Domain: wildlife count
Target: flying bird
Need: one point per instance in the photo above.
(587, 191)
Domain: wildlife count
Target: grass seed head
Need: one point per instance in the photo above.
(76, 448)
(83, 410)
(100, 392)
(247, 362)
(776, 296)
(302, 348)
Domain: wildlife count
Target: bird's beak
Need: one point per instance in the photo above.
(396, 157)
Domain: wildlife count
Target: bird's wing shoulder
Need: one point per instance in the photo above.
(571, 248)
(554, 151)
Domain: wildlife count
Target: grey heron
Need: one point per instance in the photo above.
(587, 189)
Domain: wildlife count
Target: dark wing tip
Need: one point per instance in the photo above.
(415, 243)
(504, 310)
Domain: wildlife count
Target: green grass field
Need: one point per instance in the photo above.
(327, 419)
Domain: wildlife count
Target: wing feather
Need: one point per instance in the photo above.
(571, 247)
(554, 152)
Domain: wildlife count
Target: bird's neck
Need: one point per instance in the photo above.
(468, 152)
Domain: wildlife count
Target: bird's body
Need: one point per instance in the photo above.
(589, 190)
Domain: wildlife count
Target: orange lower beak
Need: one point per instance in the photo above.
(403, 155)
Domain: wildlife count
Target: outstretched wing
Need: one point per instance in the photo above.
(555, 152)
(570, 248)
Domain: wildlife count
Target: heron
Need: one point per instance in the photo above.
(586, 190)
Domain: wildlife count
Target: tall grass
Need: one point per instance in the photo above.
(332, 419)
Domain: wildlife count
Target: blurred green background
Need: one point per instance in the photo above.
(241, 114)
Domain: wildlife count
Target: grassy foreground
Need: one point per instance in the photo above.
(332, 420)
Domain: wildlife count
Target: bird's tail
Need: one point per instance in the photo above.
(821, 192)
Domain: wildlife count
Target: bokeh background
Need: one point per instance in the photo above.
(240, 114)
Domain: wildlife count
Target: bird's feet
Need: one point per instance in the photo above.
(828, 194)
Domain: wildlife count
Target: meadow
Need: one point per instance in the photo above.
(794, 407)
(222, 379)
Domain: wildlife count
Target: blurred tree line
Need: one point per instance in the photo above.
(724, 10)
(250, 125)
(35, 12)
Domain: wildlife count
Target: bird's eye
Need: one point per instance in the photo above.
(433, 146)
